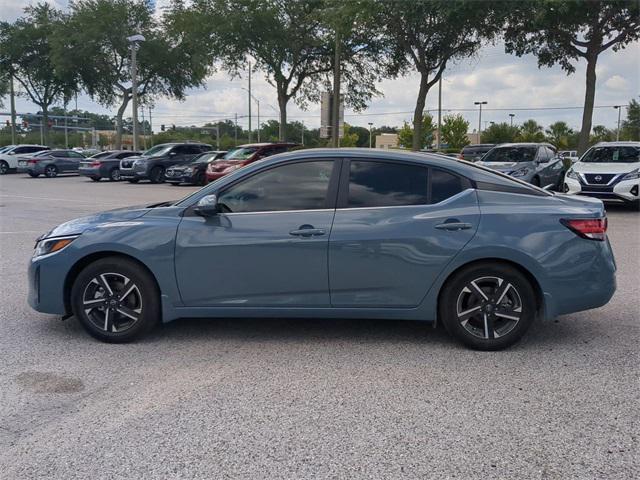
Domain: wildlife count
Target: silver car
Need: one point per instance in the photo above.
(50, 163)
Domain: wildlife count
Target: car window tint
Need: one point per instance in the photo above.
(612, 155)
(297, 186)
(444, 185)
(72, 155)
(381, 184)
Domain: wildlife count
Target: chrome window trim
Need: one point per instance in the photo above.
(277, 211)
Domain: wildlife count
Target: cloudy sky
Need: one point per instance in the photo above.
(509, 84)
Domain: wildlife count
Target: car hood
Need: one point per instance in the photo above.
(219, 165)
(100, 220)
(501, 166)
(588, 167)
(182, 166)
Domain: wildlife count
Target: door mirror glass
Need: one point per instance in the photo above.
(207, 206)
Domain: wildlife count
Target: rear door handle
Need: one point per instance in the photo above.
(452, 226)
(307, 231)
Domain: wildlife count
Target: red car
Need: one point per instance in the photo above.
(244, 155)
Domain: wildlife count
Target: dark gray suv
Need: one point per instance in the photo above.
(152, 164)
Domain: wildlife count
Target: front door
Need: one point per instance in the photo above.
(267, 247)
(396, 227)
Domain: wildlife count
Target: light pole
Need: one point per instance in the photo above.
(480, 120)
(302, 133)
(134, 40)
(619, 108)
(258, 103)
(250, 133)
(511, 115)
(370, 125)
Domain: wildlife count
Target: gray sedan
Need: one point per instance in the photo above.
(105, 165)
(50, 163)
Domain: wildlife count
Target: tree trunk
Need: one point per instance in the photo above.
(282, 105)
(589, 97)
(121, 109)
(418, 113)
(44, 121)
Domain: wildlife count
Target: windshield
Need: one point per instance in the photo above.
(157, 151)
(205, 157)
(612, 155)
(511, 154)
(241, 153)
(8, 147)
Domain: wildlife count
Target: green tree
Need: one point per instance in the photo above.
(426, 35)
(602, 134)
(531, 131)
(405, 134)
(559, 134)
(26, 52)
(631, 126)
(562, 32)
(454, 131)
(4, 87)
(349, 138)
(500, 133)
(98, 53)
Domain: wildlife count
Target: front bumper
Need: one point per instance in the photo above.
(133, 174)
(171, 176)
(46, 284)
(624, 191)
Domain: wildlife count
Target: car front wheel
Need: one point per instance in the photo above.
(488, 306)
(156, 175)
(115, 300)
(4, 167)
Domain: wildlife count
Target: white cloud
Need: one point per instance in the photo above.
(617, 83)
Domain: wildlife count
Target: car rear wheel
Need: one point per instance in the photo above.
(50, 171)
(115, 300)
(487, 306)
(156, 175)
(33, 175)
(95, 179)
(201, 179)
(114, 175)
(4, 167)
(133, 180)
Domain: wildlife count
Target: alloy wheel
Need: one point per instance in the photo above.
(4, 167)
(489, 307)
(50, 171)
(112, 302)
(115, 175)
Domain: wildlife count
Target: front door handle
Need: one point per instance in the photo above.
(453, 226)
(307, 231)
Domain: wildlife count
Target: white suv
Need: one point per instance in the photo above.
(609, 171)
(9, 155)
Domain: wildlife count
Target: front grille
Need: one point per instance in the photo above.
(597, 188)
(598, 178)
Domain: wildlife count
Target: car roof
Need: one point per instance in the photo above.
(525, 144)
(268, 144)
(627, 143)
(475, 145)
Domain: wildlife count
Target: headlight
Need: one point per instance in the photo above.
(632, 175)
(188, 170)
(232, 168)
(520, 173)
(572, 174)
(140, 163)
(52, 245)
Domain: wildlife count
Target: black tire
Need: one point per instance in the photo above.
(201, 179)
(133, 180)
(129, 317)
(535, 181)
(560, 183)
(50, 171)
(114, 175)
(156, 175)
(33, 175)
(4, 167)
(95, 179)
(175, 184)
(487, 323)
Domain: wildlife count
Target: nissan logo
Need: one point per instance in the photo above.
(598, 178)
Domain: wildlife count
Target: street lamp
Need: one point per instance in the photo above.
(134, 40)
(370, 125)
(480, 119)
(512, 115)
(619, 108)
(258, 103)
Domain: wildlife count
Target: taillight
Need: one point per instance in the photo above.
(95, 164)
(461, 156)
(589, 228)
(33, 160)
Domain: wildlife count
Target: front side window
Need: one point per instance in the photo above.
(612, 155)
(382, 184)
(445, 185)
(296, 186)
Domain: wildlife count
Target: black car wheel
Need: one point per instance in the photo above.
(535, 181)
(33, 175)
(115, 300)
(487, 306)
(201, 179)
(133, 180)
(95, 179)
(114, 175)
(4, 167)
(156, 175)
(50, 171)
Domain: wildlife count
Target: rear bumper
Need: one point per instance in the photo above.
(91, 172)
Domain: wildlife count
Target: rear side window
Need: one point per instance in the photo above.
(445, 185)
(382, 184)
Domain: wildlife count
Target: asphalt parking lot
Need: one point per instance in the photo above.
(305, 398)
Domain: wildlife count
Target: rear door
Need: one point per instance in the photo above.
(72, 160)
(396, 227)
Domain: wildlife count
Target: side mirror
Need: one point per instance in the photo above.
(11, 153)
(207, 206)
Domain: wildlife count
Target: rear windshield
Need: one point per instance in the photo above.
(100, 155)
(511, 154)
(612, 155)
